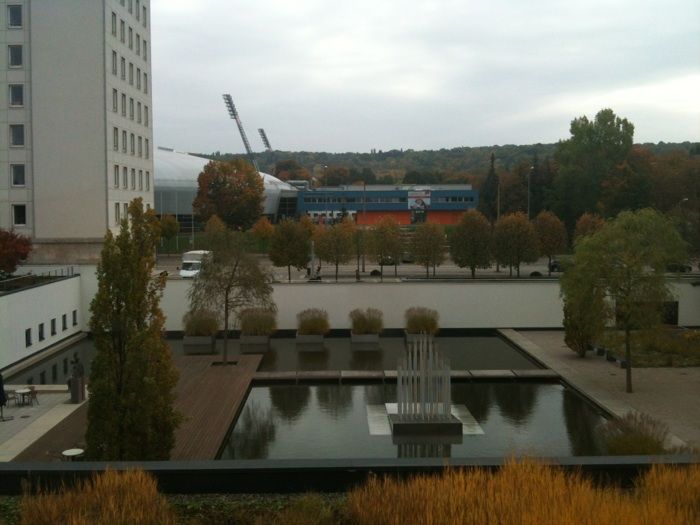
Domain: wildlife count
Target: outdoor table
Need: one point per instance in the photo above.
(24, 393)
(72, 453)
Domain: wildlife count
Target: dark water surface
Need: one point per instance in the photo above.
(330, 422)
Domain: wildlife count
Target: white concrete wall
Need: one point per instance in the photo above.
(28, 308)
(688, 298)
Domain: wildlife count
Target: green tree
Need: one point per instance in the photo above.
(130, 414)
(13, 249)
(627, 259)
(336, 244)
(290, 246)
(470, 244)
(262, 231)
(515, 241)
(551, 233)
(428, 246)
(384, 242)
(584, 300)
(489, 192)
(231, 190)
(231, 279)
(169, 228)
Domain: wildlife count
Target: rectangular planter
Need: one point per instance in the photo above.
(255, 344)
(198, 344)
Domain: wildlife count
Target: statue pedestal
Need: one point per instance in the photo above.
(402, 427)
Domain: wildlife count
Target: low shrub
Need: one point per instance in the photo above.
(313, 321)
(634, 434)
(257, 321)
(200, 323)
(370, 321)
(108, 498)
(421, 320)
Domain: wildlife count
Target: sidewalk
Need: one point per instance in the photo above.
(671, 395)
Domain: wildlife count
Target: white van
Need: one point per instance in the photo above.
(192, 263)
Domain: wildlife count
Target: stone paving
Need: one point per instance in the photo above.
(671, 395)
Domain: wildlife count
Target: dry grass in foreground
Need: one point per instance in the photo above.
(109, 498)
(528, 493)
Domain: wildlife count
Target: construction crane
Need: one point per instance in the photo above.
(263, 136)
(234, 115)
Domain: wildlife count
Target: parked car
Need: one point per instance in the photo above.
(387, 261)
(555, 266)
(679, 268)
(408, 257)
(192, 263)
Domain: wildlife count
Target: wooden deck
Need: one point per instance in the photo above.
(209, 396)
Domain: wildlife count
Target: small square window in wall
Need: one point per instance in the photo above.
(41, 331)
(75, 317)
(19, 214)
(18, 175)
(64, 322)
(16, 95)
(28, 337)
(15, 58)
(53, 326)
(14, 16)
(17, 135)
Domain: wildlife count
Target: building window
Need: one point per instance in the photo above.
(15, 58)
(19, 215)
(131, 38)
(41, 331)
(64, 322)
(17, 135)
(133, 145)
(124, 141)
(145, 50)
(138, 10)
(131, 73)
(131, 6)
(28, 337)
(75, 317)
(115, 139)
(138, 44)
(115, 100)
(144, 16)
(123, 105)
(18, 175)
(114, 23)
(131, 108)
(116, 176)
(148, 181)
(53, 326)
(145, 115)
(138, 112)
(14, 16)
(16, 95)
(125, 178)
(140, 180)
(140, 147)
(114, 62)
(117, 213)
(145, 82)
(133, 178)
(138, 78)
(122, 31)
(126, 210)
(148, 149)
(123, 68)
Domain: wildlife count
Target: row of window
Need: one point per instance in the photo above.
(123, 206)
(137, 111)
(135, 74)
(14, 17)
(41, 332)
(134, 7)
(137, 145)
(344, 200)
(136, 43)
(454, 199)
(121, 178)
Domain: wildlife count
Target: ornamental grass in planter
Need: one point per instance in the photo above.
(201, 327)
(257, 325)
(312, 325)
(421, 320)
(366, 325)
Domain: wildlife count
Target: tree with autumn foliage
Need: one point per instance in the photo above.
(13, 249)
(262, 231)
(470, 244)
(515, 241)
(290, 245)
(336, 244)
(231, 190)
(428, 246)
(169, 228)
(384, 243)
(587, 224)
(290, 169)
(551, 234)
(132, 379)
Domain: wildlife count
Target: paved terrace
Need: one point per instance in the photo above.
(671, 395)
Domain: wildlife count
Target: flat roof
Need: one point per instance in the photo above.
(396, 187)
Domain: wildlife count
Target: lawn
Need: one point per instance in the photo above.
(664, 346)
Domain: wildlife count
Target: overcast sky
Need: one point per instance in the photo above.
(350, 76)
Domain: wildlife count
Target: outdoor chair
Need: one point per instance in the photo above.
(33, 395)
(11, 396)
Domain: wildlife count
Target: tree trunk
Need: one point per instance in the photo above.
(396, 269)
(517, 270)
(549, 266)
(628, 360)
(381, 273)
(226, 331)
(473, 269)
(427, 270)
(289, 273)
(336, 272)
(510, 271)
(434, 265)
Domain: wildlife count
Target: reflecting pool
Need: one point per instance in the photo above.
(332, 421)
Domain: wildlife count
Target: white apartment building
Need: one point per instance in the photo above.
(76, 121)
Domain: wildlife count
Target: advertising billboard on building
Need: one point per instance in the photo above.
(418, 200)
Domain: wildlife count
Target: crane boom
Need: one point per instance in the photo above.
(234, 115)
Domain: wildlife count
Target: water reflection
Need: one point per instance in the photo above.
(378, 394)
(515, 401)
(253, 434)
(581, 424)
(477, 398)
(312, 359)
(334, 400)
(424, 450)
(366, 360)
(290, 402)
